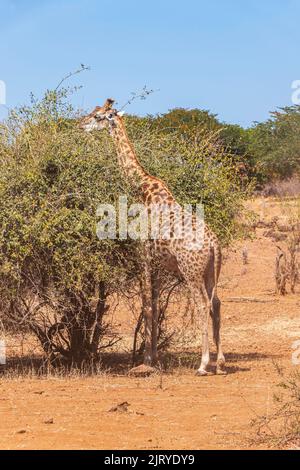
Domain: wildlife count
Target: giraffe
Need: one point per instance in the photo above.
(199, 269)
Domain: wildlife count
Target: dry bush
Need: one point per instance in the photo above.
(281, 272)
(282, 427)
(68, 326)
(287, 261)
(283, 188)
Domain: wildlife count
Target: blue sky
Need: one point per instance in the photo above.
(237, 58)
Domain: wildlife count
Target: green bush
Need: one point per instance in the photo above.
(55, 275)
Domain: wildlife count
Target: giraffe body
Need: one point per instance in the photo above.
(199, 268)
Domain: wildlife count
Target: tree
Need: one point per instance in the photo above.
(275, 144)
(186, 120)
(235, 139)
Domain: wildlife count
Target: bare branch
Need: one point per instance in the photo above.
(71, 74)
(139, 95)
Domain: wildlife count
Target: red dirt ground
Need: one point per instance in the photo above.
(176, 410)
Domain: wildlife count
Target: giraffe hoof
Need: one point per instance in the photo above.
(203, 373)
(221, 371)
(142, 371)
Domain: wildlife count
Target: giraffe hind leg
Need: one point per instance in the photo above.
(216, 321)
(203, 306)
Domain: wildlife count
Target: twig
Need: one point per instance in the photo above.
(249, 299)
(71, 74)
(142, 95)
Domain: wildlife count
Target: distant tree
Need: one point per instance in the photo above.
(237, 140)
(186, 120)
(275, 144)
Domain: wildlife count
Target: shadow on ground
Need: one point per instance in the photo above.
(121, 363)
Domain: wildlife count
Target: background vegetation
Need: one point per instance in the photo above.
(269, 150)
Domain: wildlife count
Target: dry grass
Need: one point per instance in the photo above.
(283, 188)
(282, 427)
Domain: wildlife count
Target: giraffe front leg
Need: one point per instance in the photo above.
(148, 333)
(155, 280)
(204, 307)
(216, 319)
(146, 291)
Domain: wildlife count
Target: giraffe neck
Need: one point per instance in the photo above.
(126, 155)
(153, 190)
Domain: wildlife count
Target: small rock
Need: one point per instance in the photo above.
(142, 371)
(121, 408)
(49, 421)
(22, 431)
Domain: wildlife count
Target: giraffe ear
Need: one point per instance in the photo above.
(121, 113)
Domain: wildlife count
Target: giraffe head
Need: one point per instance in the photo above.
(102, 117)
